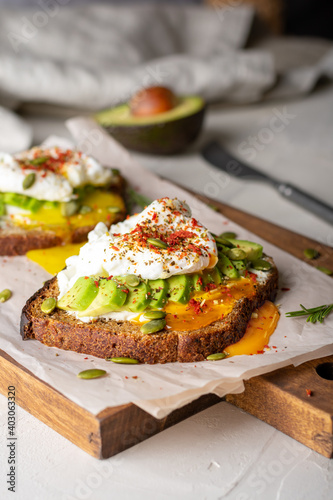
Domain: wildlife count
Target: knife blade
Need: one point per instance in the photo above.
(217, 156)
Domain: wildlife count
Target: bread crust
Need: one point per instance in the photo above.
(15, 240)
(111, 338)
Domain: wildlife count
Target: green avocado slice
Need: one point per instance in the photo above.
(159, 293)
(138, 298)
(22, 201)
(226, 267)
(80, 296)
(197, 282)
(180, 288)
(253, 250)
(111, 297)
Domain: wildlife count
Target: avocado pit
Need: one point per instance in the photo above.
(155, 121)
(152, 101)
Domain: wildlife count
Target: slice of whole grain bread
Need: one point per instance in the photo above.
(111, 338)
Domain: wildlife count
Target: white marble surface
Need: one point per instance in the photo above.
(221, 452)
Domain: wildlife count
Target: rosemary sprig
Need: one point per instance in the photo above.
(314, 314)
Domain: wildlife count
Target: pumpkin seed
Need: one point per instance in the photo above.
(216, 357)
(155, 314)
(48, 305)
(124, 361)
(236, 254)
(228, 234)
(5, 295)
(114, 210)
(85, 209)
(311, 253)
(325, 270)
(156, 242)
(261, 265)
(69, 208)
(29, 180)
(39, 161)
(153, 326)
(92, 373)
(132, 280)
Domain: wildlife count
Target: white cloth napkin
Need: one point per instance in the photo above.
(96, 55)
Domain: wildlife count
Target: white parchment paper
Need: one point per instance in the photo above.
(159, 389)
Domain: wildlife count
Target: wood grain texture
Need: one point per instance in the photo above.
(281, 399)
(278, 398)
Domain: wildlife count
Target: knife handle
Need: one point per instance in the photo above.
(306, 201)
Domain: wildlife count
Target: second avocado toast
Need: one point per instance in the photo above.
(156, 288)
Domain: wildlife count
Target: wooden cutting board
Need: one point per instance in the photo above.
(279, 398)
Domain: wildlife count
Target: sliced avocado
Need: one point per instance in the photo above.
(253, 250)
(111, 297)
(240, 265)
(22, 201)
(207, 277)
(2, 208)
(197, 282)
(223, 248)
(163, 133)
(159, 293)
(216, 275)
(80, 296)
(180, 288)
(138, 297)
(225, 266)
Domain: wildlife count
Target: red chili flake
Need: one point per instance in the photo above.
(175, 316)
(285, 289)
(210, 286)
(177, 237)
(309, 393)
(125, 290)
(86, 277)
(126, 376)
(260, 352)
(259, 328)
(85, 358)
(195, 223)
(135, 376)
(196, 306)
(266, 346)
(154, 217)
(96, 283)
(115, 248)
(108, 217)
(274, 346)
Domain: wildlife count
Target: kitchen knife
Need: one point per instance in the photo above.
(221, 159)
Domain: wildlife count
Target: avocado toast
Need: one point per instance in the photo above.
(52, 196)
(157, 288)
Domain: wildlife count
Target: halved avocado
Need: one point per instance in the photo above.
(163, 133)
